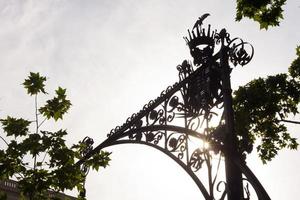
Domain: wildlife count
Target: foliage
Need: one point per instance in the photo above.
(261, 110)
(56, 107)
(265, 12)
(35, 84)
(294, 69)
(13, 126)
(263, 105)
(41, 160)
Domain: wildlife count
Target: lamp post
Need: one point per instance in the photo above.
(233, 173)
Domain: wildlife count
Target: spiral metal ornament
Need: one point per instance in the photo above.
(179, 122)
(87, 142)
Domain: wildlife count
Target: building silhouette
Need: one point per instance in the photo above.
(10, 187)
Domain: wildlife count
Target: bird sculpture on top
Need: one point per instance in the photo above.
(199, 22)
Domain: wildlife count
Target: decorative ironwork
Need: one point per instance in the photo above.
(179, 122)
(87, 144)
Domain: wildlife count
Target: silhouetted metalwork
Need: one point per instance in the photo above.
(181, 121)
(87, 144)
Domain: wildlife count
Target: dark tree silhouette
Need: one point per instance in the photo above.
(40, 160)
(263, 106)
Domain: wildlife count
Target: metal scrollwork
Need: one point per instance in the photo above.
(178, 121)
(196, 160)
(88, 147)
(238, 54)
(223, 191)
(87, 143)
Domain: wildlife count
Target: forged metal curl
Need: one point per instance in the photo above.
(88, 147)
(223, 191)
(190, 101)
(246, 189)
(135, 119)
(238, 54)
(174, 142)
(203, 92)
(196, 160)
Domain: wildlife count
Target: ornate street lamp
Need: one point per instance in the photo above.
(181, 122)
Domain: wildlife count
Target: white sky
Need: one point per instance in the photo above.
(115, 56)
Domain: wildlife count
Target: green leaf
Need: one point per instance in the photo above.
(33, 144)
(261, 107)
(35, 83)
(55, 108)
(100, 159)
(15, 127)
(294, 69)
(267, 13)
(298, 51)
(55, 169)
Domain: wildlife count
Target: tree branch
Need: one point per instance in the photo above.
(4, 140)
(290, 121)
(37, 126)
(42, 122)
(287, 121)
(44, 157)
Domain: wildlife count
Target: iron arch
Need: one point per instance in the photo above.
(190, 172)
(203, 87)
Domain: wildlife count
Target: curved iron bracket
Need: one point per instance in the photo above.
(187, 169)
(183, 113)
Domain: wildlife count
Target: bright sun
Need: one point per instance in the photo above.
(206, 145)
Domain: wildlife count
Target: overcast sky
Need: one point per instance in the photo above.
(115, 56)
